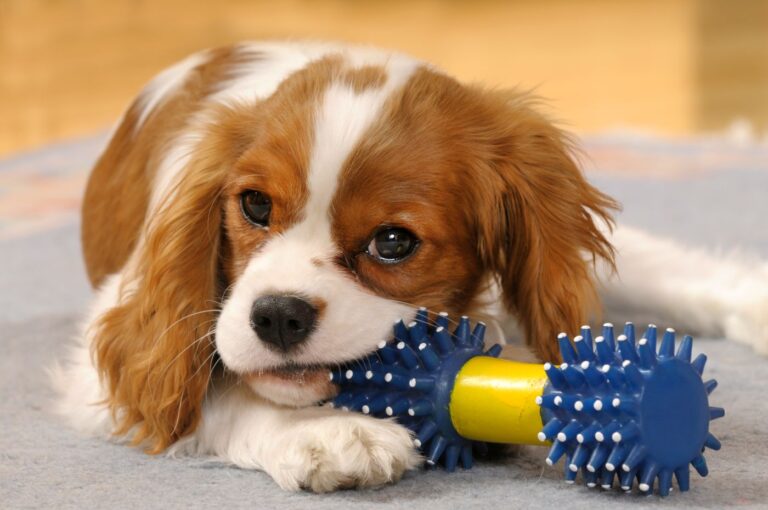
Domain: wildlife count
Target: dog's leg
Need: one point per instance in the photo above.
(316, 448)
(662, 281)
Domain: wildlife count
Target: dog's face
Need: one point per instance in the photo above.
(355, 190)
(358, 199)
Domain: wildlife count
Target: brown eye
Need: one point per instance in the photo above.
(256, 207)
(391, 245)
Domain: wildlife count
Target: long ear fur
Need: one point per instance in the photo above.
(539, 229)
(154, 348)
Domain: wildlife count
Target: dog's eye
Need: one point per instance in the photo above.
(391, 245)
(256, 207)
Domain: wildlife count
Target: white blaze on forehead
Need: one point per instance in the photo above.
(343, 117)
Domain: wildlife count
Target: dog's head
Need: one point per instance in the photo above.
(302, 225)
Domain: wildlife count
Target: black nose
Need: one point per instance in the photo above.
(282, 321)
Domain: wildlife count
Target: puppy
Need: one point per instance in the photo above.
(265, 211)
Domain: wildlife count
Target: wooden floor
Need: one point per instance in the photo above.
(673, 66)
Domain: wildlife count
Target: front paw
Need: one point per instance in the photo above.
(340, 450)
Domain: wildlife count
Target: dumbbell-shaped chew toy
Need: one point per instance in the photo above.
(616, 408)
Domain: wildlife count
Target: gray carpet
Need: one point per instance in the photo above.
(44, 464)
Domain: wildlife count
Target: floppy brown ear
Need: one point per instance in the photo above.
(538, 228)
(154, 349)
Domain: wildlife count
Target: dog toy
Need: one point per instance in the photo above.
(614, 409)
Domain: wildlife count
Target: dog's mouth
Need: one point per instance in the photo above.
(295, 373)
(292, 384)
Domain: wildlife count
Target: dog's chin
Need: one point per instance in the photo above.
(294, 387)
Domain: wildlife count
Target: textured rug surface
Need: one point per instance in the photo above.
(703, 192)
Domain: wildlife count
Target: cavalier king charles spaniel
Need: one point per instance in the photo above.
(266, 211)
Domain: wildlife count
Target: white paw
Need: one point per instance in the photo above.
(338, 450)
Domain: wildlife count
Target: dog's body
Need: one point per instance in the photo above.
(286, 202)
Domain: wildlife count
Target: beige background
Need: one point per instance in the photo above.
(68, 67)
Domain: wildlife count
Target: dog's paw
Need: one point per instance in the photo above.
(342, 450)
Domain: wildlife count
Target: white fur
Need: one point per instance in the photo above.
(662, 281)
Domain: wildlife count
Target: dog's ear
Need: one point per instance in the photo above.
(154, 349)
(538, 221)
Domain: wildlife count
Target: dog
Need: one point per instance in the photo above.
(263, 212)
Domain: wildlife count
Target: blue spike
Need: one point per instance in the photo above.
(596, 404)
(609, 336)
(574, 377)
(442, 320)
(667, 349)
(557, 450)
(396, 380)
(462, 331)
(356, 376)
(587, 436)
(635, 457)
(626, 433)
(566, 348)
(685, 350)
(597, 460)
(586, 334)
(616, 457)
(665, 482)
(716, 412)
(604, 350)
(398, 408)
(683, 476)
(712, 442)
(452, 457)
(379, 403)
(442, 338)
(422, 316)
(710, 386)
(604, 434)
(417, 330)
(357, 403)
(494, 351)
(626, 405)
(374, 377)
(436, 449)
(569, 432)
(335, 376)
(556, 377)
(595, 378)
(579, 457)
(425, 433)
(569, 475)
(476, 340)
(626, 479)
(606, 479)
(429, 358)
(627, 349)
(550, 430)
(650, 470)
(650, 335)
(700, 465)
(566, 401)
(615, 376)
(584, 349)
(647, 354)
(421, 407)
(590, 479)
(629, 332)
(634, 377)
(699, 363)
(387, 353)
(407, 356)
(422, 383)
(547, 401)
(466, 456)
(400, 331)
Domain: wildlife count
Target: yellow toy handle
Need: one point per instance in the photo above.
(494, 400)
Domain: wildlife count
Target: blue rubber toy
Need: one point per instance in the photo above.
(616, 409)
